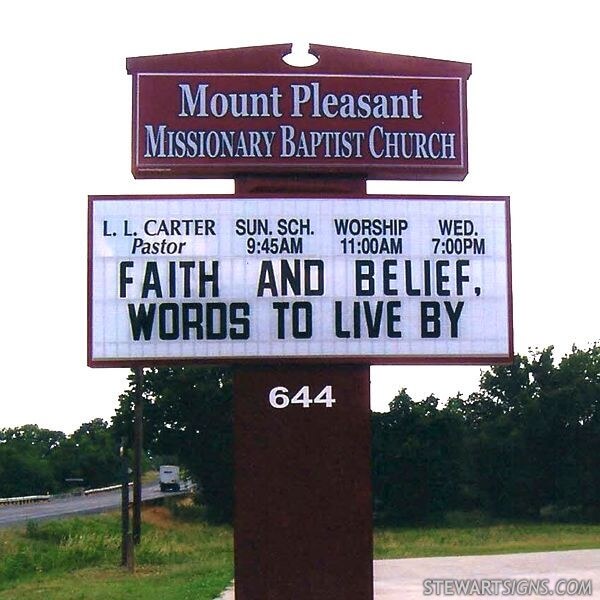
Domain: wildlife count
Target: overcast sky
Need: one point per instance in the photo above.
(534, 134)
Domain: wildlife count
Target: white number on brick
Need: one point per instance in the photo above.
(281, 397)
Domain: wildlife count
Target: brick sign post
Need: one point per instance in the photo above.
(300, 280)
(303, 524)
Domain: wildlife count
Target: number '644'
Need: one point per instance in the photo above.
(281, 397)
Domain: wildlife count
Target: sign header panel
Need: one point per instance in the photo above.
(403, 120)
(376, 279)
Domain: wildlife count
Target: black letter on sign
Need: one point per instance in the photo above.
(454, 315)
(339, 313)
(430, 320)
(306, 332)
(191, 320)
(266, 280)
(393, 319)
(364, 271)
(151, 281)
(216, 321)
(280, 307)
(124, 279)
(163, 320)
(142, 321)
(240, 323)
(204, 278)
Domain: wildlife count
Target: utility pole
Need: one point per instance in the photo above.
(137, 455)
(126, 543)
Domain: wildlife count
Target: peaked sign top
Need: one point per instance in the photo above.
(226, 113)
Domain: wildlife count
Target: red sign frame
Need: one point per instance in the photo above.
(233, 112)
(446, 359)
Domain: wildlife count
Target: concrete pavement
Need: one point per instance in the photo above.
(530, 575)
(410, 578)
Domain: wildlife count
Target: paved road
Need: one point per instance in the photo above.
(73, 505)
(409, 578)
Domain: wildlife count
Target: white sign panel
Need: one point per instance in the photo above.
(371, 279)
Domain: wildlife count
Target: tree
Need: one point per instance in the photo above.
(506, 438)
(188, 414)
(25, 460)
(575, 391)
(535, 433)
(416, 459)
(90, 453)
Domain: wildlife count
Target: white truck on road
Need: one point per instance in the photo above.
(168, 477)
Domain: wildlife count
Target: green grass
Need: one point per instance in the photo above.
(494, 538)
(78, 559)
(181, 557)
